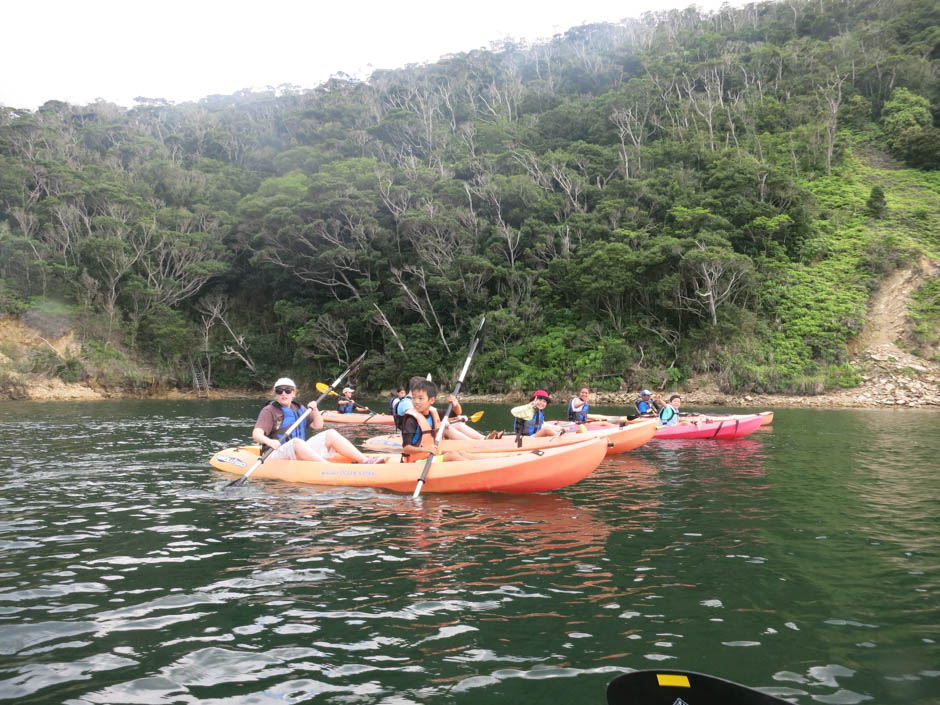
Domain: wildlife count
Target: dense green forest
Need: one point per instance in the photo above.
(629, 203)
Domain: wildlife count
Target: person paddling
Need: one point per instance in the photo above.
(347, 405)
(278, 415)
(578, 406)
(420, 424)
(646, 406)
(530, 418)
(457, 428)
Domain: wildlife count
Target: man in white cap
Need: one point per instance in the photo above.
(278, 415)
(645, 406)
(347, 405)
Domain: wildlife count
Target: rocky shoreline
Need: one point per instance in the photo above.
(890, 377)
(889, 381)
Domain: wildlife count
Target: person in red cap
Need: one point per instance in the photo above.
(530, 418)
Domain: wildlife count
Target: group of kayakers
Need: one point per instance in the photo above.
(418, 420)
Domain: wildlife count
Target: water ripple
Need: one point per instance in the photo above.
(801, 564)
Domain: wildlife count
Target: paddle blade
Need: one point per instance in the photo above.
(324, 388)
(477, 416)
(669, 687)
(237, 482)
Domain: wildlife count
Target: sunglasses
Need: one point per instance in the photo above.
(283, 390)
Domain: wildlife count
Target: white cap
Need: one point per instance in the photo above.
(285, 382)
(348, 389)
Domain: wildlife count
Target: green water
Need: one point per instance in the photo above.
(802, 560)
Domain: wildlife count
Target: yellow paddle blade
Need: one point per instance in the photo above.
(321, 387)
(476, 417)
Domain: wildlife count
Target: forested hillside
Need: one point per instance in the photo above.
(630, 204)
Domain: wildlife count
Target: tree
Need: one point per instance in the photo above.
(903, 111)
(712, 274)
(876, 202)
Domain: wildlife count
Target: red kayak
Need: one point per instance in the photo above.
(722, 430)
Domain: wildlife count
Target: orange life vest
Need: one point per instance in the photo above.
(426, 431)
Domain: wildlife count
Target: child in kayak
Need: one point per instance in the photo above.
(669, 414)
(530, 419)
(420, 424)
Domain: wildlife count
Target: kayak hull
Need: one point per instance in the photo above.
(533, 471)
(723, 429)
(362, 419)
(768, 417)
(619, 440)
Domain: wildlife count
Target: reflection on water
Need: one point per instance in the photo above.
(801, 559)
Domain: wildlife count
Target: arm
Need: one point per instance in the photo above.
(265, 424)
(316, 418)
(526, 412)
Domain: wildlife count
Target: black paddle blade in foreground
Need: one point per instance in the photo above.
(682, 688)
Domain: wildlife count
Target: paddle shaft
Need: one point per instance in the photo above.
(290, 429)
(440, 431)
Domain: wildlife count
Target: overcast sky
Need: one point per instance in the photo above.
(82, 50)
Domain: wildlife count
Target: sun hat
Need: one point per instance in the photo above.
(285, 382)
(348, 389)
(541, 394)
(646, 393)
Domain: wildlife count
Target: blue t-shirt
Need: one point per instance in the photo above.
(668, 416)
(404, 405)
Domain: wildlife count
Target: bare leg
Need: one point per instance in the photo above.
(341, 445)
(302, 451)
(468, 431)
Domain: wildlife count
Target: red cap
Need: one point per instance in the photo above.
(541, 393)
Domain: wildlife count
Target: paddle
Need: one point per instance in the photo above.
(244, 478)
(669, 687)
(440, 431)
(628, 417)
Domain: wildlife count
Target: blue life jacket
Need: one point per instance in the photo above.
(393, 410)
(579, 416)
(532, 426)
(668, 416)
(643, 406)
(290, 416)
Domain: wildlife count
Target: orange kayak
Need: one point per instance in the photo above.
(370, 419)
(533, 471)
(619, 440)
